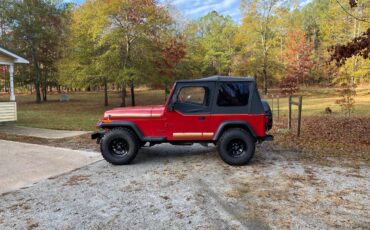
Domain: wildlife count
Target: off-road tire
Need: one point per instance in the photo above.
(228, 144)
(120, 135)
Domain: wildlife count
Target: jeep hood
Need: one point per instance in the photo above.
(135, 112)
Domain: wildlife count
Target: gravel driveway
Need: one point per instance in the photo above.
(172, 187)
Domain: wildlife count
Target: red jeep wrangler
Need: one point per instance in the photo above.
(226, 111)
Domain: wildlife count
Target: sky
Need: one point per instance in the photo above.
(194, 9)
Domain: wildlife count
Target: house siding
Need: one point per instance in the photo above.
(8, 111)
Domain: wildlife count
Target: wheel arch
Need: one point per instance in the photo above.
(124, 124)
(234, 124)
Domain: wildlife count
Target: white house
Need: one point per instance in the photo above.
(8, 110)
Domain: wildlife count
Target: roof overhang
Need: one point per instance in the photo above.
(16, 59)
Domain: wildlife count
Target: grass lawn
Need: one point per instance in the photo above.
(80, 113)
(85, 109)
(316, 100)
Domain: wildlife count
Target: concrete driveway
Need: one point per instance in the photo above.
(24, 164)
(40, 133)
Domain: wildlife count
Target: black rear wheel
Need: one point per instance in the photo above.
(119, 146)
(236, 146)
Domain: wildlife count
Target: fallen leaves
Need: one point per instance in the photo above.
(329, 136)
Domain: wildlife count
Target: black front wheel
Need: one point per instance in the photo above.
(236, 146)
(119, 146)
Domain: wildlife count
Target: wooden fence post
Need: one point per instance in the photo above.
(272, 103)
(299, 116)
(299, 104)
(278, 106)
(290, 113)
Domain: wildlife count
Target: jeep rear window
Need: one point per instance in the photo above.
(233, 94)
(192, 95)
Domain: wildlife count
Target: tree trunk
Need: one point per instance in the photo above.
(44, 97)
(37, 79)
(123, 95)
(45, 88)
(132, 86)
(355, 34)
(264, 81)
(105, 92)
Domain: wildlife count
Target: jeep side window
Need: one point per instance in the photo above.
(192, 95)
(233, 94)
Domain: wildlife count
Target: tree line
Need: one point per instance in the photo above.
(119, 44)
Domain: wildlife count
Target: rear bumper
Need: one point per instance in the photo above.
(267, 138)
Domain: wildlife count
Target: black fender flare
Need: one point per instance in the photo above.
(123, 124)
(223, 126)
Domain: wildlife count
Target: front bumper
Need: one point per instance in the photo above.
(98, 136)
(99, 124)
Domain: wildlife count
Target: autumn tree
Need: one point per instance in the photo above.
(216, 33)
(347, 91)
(35, 28)
(192, 65)
(131, 22)
(360, 44)
(85, 62)
(5, 7)
(172, 53)
(114, 41)
(261, 40)
(298, 56)
(351, 54)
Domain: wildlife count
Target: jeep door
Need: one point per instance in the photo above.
(189, 112)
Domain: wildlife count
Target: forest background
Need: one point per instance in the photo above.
(121, 44)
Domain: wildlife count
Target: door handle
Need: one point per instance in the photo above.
(201, 118)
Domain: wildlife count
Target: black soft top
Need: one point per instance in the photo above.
(254, 105)
(220, 78)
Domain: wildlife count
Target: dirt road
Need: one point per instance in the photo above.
(171, 187)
